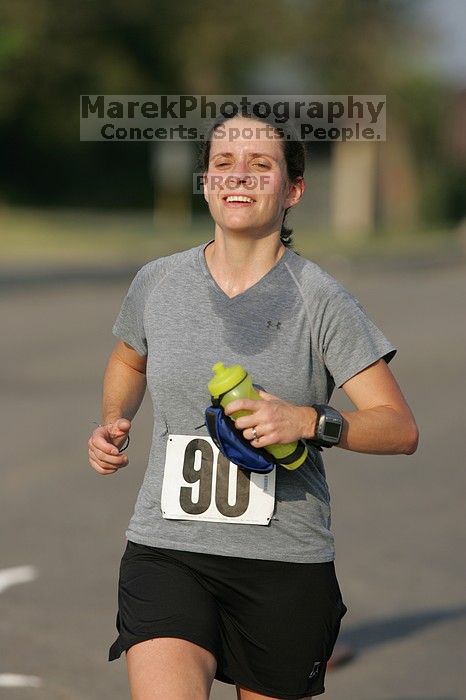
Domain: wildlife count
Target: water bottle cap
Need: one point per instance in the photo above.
(225, 378)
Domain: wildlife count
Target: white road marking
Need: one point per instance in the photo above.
(10, 577)
(14, 680)
(17, 574)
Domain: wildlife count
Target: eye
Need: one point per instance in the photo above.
(260, 164)
(218, 161)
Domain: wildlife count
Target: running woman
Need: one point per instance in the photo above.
(228, 574)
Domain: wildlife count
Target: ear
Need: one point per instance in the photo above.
(205, 190)
(295, 192)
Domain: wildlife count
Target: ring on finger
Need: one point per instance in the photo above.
(254, 433)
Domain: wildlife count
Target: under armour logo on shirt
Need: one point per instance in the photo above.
(274, 324)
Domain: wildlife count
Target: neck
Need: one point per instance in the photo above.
(237, 261)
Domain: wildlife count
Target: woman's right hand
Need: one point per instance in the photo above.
(104, 444)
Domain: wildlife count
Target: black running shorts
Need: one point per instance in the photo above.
(271, 625)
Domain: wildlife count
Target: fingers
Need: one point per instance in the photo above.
(120, 427)
(261, 438)
(246, 421)
(266, 427)
(242, 405)
(253, 406)
(100, 441)
(102, 469)
(104, 456)
(262, 418)
(253, 435)
(276, 421)
(266, 395)
(111, 436)
(105, 461)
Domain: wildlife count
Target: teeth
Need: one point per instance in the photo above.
(239, 198)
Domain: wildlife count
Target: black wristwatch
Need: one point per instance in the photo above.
(328, 427)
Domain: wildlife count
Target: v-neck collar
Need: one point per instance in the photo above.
(241, 295)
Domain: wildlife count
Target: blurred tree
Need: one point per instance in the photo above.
(358, 46)
(366, 47)
(426, 107)
(51, 51)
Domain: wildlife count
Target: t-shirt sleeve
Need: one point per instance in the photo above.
(129, 324)
(349, 341)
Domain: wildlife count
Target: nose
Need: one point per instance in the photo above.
(241, 167)
(241, 173)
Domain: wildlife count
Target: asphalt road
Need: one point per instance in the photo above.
(399, 521)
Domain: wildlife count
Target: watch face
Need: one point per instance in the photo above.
(332, 430)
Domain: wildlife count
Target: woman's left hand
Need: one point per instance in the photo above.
(275, 421)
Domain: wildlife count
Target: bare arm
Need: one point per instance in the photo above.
(382, 424)
(124, 386)
(124, 383)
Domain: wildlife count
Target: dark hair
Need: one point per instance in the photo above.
(293, 150)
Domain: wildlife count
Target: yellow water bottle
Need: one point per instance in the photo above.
(231, 383)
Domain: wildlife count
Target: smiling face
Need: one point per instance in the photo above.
(246, 185)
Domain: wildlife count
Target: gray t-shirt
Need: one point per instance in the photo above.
(297, 332)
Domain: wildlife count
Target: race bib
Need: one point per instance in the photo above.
(200, 483)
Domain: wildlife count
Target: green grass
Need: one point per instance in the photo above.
(31, 236)
(66, 236)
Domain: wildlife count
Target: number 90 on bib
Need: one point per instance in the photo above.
(200, 483)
